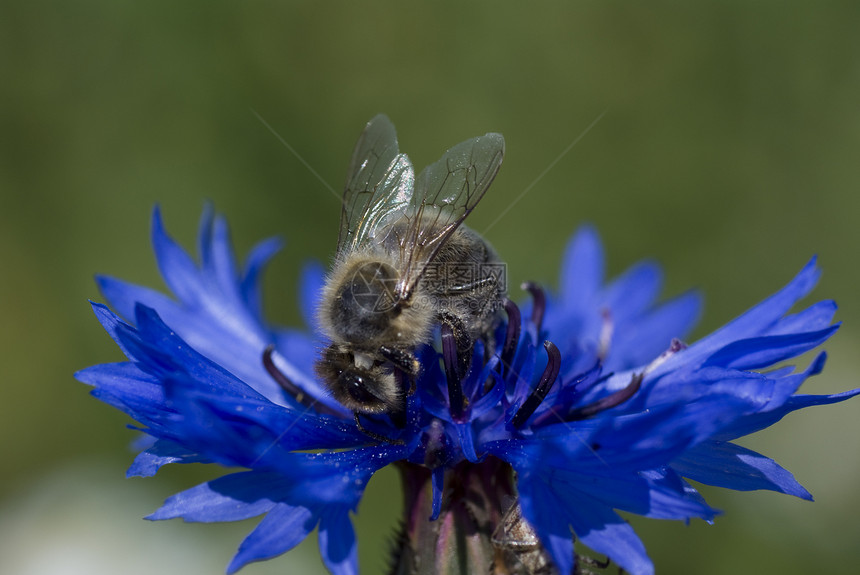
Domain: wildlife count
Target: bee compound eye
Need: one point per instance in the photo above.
(356, 387)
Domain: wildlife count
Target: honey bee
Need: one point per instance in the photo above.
(405, 264)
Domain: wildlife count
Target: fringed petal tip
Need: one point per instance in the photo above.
(582, 266)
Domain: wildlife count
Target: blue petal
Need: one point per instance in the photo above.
(640, 341)
(204, 234)
(220, 267)
(111, 323)
(148, 462)
(491, 399)
(674, 498)
(467, 442)
(123, 297)
(230, 498)
(633, 292)
(582, 268)
(161, 352)
(176, 267)
(758, 421)
(654, 438)
(311, 487)
(255, 264)
(548, 517)
(604, 531)
(284, 527)
(686, 387)
(126, 387)
(634, 493)
(759, 320)
(338, 546)
(734, 467)
(815, 317)
(300, 351)
(211, 314)
(552, 512)
(786, 382)
(252, 432)
(760, 352)
(207, 410)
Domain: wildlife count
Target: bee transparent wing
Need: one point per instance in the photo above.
(378, 188)
(445, 193)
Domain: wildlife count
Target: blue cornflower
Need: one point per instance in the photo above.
(617, 417)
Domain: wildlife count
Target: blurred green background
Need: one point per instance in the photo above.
(728, 151)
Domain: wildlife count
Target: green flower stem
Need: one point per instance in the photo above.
(460, 541)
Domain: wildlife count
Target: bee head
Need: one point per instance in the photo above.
(369, 388)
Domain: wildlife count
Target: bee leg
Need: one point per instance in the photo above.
(403, 360)
(582, 562)
(372, 435)
(408, 368)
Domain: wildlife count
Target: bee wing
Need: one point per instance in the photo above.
(378, 188)
(445, 193)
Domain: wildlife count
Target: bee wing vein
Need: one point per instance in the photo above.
(445, 193)
(379, 185)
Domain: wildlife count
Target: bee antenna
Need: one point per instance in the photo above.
(550, 373)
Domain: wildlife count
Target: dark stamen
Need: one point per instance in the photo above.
(539, 303)
(456, 399)
(376, 436)
(291, 388)
(572, 384)
(512, 337)
(611, 400)
(550, 373)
